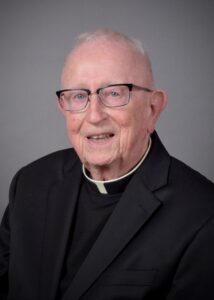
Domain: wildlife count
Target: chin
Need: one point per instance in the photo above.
(98, 162)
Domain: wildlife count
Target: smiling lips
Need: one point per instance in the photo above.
(102, 136)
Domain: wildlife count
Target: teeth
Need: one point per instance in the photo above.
(100, 136)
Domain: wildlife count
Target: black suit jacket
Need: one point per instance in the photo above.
(157, 244)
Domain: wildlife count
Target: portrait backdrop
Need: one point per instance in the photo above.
(37, 35)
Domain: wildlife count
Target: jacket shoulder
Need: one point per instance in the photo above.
(188, 174)
(55, 160)
(47, 169)
(190, 184)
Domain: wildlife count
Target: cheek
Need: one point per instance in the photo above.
(136, 119)
(134, 128)
(143, 117)
(73, 124)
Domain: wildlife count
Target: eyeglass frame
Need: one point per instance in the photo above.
(89, 92)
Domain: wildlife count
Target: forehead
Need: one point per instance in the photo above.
(109, 61)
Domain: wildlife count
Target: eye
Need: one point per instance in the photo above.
(114, 93)
(79, 96)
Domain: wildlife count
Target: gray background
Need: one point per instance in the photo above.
(37, 35)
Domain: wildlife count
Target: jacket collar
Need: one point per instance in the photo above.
(154, 171)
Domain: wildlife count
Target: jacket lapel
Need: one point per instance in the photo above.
(134, 209)
(60, 211)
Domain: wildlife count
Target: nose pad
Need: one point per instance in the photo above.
(97, 102)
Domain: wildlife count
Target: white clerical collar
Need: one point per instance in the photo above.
(101, 183)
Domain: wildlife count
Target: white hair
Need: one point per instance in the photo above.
(114, 36)
(108, 34)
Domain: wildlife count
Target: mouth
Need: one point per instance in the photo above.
(100, 137)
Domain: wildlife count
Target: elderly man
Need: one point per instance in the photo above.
(117, 217)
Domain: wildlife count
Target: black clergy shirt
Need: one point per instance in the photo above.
(92, 212)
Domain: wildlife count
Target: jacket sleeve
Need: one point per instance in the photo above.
(194, 278)
(5, 242)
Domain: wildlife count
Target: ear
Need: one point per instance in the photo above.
(158, 101)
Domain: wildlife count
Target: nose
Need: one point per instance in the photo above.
(96, 110)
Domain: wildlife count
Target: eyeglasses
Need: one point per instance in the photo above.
(114, 95)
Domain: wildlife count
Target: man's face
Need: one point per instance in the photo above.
(108, 139)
